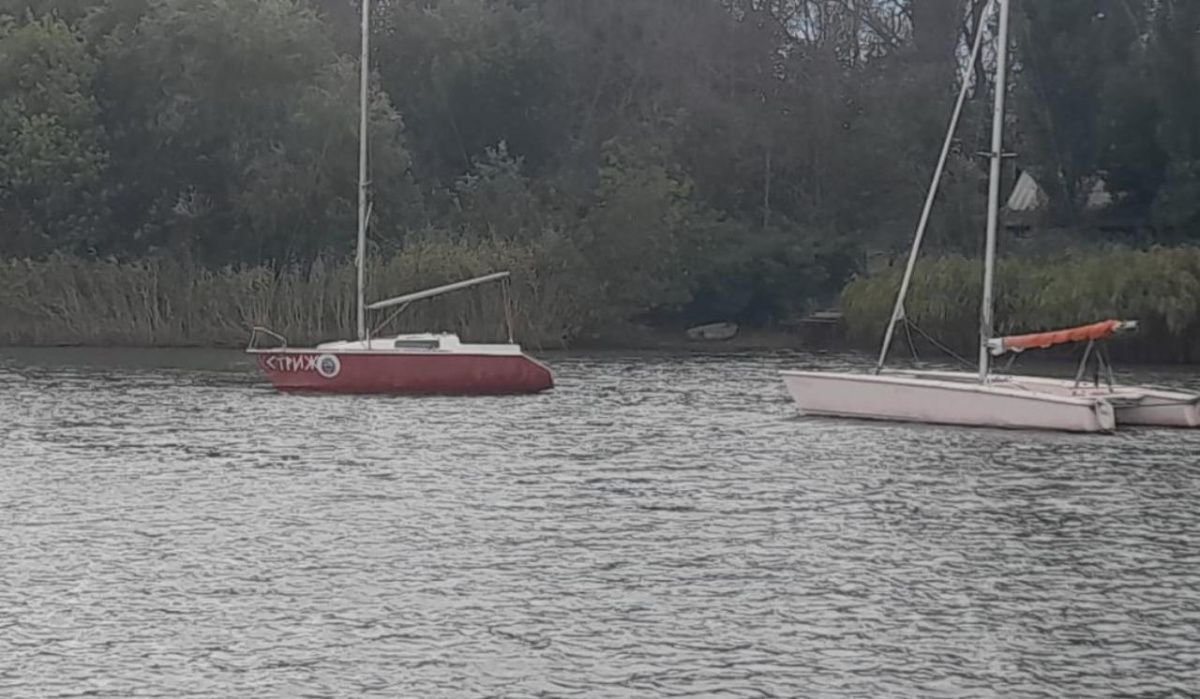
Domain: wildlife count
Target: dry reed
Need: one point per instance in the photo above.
(66, 300)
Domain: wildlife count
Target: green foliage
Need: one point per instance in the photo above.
(1111, 89)
(468, 75)
(495, 200)
(51, 161)
(1176, 64)
(1068, 49)
(673, 161)
(767, 276)
(306, 176)
(1159, 287)
(643, 233)
(234, 132)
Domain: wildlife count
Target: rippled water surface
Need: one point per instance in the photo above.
(657, 525)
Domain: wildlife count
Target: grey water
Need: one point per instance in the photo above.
(658, 525)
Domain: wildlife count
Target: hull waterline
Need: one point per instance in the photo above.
(926, 400)
(410, 373)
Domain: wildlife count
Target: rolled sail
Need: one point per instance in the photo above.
(1042, 340)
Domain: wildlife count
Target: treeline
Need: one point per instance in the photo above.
(670, 160)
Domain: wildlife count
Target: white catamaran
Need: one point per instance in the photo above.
(984, 398)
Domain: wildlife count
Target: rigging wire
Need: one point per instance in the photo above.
(937, 344)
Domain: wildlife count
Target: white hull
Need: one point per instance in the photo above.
(1134, 405)
(946, 401)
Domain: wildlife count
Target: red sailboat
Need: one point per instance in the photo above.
(422, 363)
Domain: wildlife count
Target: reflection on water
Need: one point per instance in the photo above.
(657, 525)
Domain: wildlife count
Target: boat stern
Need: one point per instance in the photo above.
(537, 376)
(1161, 409)
(1106, 416)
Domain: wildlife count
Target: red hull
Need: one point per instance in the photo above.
(403, 373)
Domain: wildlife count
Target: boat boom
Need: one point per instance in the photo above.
(436, 291)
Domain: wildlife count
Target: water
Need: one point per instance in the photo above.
(657, 526)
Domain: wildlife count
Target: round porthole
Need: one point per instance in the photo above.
(329, 366)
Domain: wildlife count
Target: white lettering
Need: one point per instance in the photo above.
(291, 363)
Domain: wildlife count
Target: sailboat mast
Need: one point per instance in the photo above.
(361, 256)
(986, 321)
(906, 280)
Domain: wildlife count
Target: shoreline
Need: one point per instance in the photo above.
(641, 339)
(654, 341)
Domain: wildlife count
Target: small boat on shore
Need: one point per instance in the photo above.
(422, 363)
(713, 332)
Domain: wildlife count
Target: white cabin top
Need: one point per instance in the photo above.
(419, 342)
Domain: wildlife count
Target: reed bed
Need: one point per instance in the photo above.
(1158, 287)
(65, 300)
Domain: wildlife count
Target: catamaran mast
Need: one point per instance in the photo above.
(993, 211)
(361, 256)
(922, 224)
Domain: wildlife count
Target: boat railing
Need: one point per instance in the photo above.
(254, 336)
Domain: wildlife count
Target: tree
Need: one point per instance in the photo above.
(1078, 62)
(467, 75)
(233, 129)
(1177, 63)
(51, 158)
